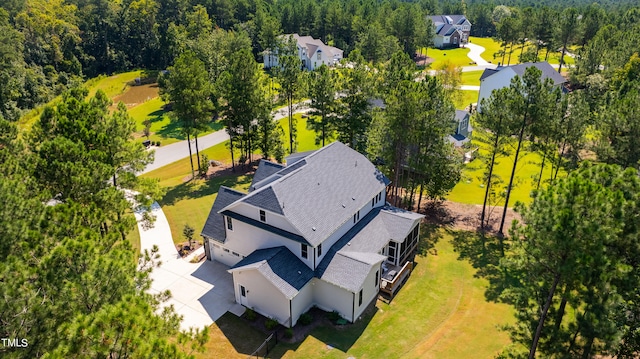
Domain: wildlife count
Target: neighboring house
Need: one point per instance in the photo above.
(313, 53)
(450, 30)
(317, 232)
(493, 79)
(463, 128)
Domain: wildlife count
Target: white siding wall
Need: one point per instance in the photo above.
(262, 296)
(302, 302)
(438, 41)
(370, 290)
(329, 297)
(496, 81)
(244, 239)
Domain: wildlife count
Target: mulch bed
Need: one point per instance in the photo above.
(185, 253)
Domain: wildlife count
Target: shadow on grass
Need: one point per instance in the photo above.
(173, 129)
(430, 234)
(484, 254)
(340, 337)
(197, 189)
(244, 338)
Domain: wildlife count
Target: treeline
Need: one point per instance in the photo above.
(49, 46)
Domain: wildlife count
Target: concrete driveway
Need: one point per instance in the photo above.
(201, 293)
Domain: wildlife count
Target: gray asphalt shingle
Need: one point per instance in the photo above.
(278, 265)
(265, 169)
(214, 226)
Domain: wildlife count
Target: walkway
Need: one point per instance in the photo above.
(178, 150)
(202, 292)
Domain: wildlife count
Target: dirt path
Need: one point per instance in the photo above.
(466, 216)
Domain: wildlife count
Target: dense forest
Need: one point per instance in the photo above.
(49, 46)
(72, 284)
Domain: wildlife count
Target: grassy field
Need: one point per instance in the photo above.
(471, 78)
(112, 85)
(441, 312)
(493, 50)
(189, 202)
(471, 190)
(457, 56)
(466, 98)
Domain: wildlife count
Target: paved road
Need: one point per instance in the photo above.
(178, 150)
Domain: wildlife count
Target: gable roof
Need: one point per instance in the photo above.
(548, 72)
(214, 226)
(313, 45)
(320, 192)
(278, 265)
(348, 262)
(265, 169)
(461, 115)
(448, 19)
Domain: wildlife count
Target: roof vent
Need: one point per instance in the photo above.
(349, 243)
(299, 272)
(353, 198)
(356, 163)
(313, 229)
(343, 206)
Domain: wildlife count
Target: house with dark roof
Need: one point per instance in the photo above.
(450, 30)
(317, 232)
(493, 79)
(463, 129)
(313, 53)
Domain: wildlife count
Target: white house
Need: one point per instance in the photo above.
(450, 30)
(317, 232)
(493, 79)
(313, 53)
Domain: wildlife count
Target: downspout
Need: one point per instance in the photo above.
(353, 309)
(290, 315)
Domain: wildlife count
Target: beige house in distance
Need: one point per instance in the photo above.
(313, 53)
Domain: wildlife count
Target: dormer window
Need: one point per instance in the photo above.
(263, 216)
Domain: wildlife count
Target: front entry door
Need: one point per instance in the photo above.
(243, 296)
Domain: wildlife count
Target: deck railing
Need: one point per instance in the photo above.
(391, 286)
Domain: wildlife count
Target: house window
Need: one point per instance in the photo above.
(263, 216)
(243, 291)
(354, 218)
(319, 250)
(375, 284)
(319, 55)
(373, 202)
(391, 252)
(360, 298)
(235, 254)
(303, 250)
(226, 250)
(229, 224)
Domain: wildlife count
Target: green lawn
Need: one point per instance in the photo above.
(471, 78)
(467, 98)
(134, 238)
(471, 190)
(491, 47)
(441, 312)
(190, 202)
(112, 85)
(457, 56)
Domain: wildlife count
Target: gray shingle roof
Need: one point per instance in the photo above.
(349, 261)
(295, 157)
(278, 265)
(548, 72)
(214, 226)
(460, 115)
(322, 191)
(265, 169)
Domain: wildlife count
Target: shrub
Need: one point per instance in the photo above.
(250, 314)
(271, 323)
(334, 316)
(305, 319)
(158, 143)
(288, 333)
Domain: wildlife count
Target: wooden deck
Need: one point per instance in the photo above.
(393, 278)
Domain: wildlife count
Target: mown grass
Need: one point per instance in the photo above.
(231, 337)
(113, 85)
(441, 312)
(189, 202)
(471, 78)
(471, 188)
(456, 56)
(467, 98)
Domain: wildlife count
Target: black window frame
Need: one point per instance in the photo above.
(360, 298)
(263, 216)
(319, 250)
(229, 223)
(304, 251)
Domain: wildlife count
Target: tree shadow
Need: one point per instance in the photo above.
(201, 188)
(430, 234)
(484, 253)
